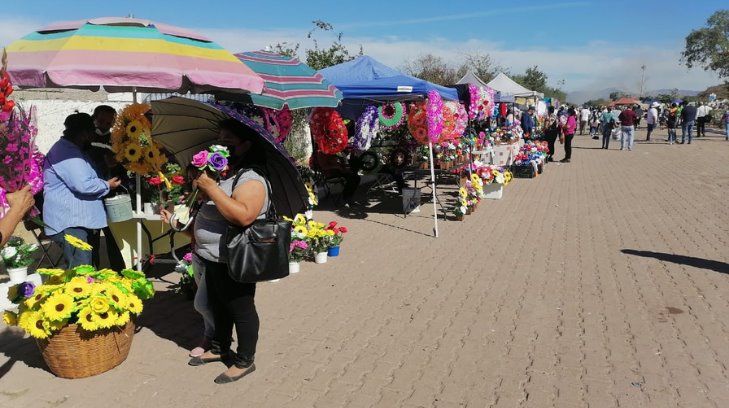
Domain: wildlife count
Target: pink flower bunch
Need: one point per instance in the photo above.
(475, 97)
(434, 116)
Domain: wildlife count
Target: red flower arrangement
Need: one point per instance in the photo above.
(328, 130)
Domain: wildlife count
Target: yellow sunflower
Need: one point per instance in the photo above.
(99, 304)
(135, 129)
(301, 230)
(77, 243)
(107, 319)
(87, 320)
(36, 325)
(123, 318)
(134, 304)
(10, 318)
(34, 302)
(299, 219)
(132, 152)
(51, 272)
(462, 192)
(78, 287)
(57, 325)
(118, 298)
(58, 306)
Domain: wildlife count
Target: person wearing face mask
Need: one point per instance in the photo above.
(73, 190)
(102, 156)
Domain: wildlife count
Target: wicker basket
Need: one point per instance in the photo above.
(75, 353)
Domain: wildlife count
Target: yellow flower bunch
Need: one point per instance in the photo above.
(95, 300)
(313, 199)
(131, 140)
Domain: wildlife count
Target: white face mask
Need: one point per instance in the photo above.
(100, 133)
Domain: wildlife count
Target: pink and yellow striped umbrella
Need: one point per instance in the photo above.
(125, 54)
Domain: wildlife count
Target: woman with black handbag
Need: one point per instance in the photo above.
(239, 205)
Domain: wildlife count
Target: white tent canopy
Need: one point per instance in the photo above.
(507, 86)
(471, 78)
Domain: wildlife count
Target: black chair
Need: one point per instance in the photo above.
(45, 244)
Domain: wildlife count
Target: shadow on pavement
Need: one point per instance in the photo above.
(717, 266)
(172, 316)
(17, 348)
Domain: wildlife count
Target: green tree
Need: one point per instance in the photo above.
(336, 53)
(536, 80)
(708, 47)
(433, 69)
(614, 96)
(480, 64)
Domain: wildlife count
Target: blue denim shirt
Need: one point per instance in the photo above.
(72, 190)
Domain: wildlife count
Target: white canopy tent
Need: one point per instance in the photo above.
(471, 78)
(507, 86)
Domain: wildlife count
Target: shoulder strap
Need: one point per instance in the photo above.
(271, 212)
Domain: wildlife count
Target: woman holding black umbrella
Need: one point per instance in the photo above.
(232, 302)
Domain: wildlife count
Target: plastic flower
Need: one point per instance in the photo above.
(123, 319)
(218, 162)
(58, 306)
(154, 181)
(135, 129)
(35, 324)
(107, 319)
(462, 192)
(99, 304)
(116, 296)
(200, 159)
(87, 320)
(10, 318)
(78, 287)
(77, 243)
(300, 230)
(132, 152)
(134, 304)
(32, 302)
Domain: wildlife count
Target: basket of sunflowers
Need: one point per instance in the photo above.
(81, 318)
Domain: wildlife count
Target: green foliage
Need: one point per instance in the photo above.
(336, 53)
(433, 69)
(708, 47)
(536, 80)
(614, 96)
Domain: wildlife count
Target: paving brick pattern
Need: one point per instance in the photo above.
(601, 283)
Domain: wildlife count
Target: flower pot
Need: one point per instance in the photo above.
(18, 275)
(294, 267)
(320, 258)
(459, 217)
(468, 211)
(333, 251)
(75, 353)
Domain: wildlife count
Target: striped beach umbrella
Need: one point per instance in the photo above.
(289, 81)
(126, 54)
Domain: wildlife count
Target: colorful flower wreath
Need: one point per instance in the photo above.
(417, 122)
(434, 116)
(365, 129)
(278, 123)
(328, 130)
(131, 140)
(475, 101)
(391, 115)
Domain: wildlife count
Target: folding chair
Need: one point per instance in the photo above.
(45, 244)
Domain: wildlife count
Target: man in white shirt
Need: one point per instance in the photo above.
(584, 118)
(702, 117)
(651, 119)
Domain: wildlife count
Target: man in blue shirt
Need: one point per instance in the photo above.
(527, 123)
(73, 191)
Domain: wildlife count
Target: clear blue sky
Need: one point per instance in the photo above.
(572, 27)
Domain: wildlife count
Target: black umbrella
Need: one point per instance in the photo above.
(184, 127)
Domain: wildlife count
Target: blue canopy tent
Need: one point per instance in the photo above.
(365, 80)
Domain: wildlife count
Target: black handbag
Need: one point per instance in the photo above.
(258, 252)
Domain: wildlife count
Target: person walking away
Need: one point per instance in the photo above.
(594, 124)
(607, 121)
(233, 303)
(584, 118)
(651, 120)
(671, 123)
(569, 133)
(73, 190)
(703, 116)
(688, 119)
(638, 115)
(627, 127)
(725, 122)
(102, 156)
(527, 122)
(551, 131)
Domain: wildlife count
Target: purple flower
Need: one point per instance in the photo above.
(218, 162)
(89, 279)
(27, 289)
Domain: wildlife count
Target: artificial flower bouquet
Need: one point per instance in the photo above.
(131, 141)
(460, 208)
(336, 233)
(313, 233)
(96, 300)
(187, 274)
(17, 253)
(167, 186)
(213, 161)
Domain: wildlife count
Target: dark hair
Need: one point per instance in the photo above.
(571, 112)
(76, 123)
(255, 155)
(550, 109)
(103, 109)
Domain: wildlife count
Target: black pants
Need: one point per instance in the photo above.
(606, 134)
(116, 260)
(551, 138)
(233, 305)
(700, 127)
(568, 146)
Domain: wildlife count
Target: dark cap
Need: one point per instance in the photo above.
(78, 122)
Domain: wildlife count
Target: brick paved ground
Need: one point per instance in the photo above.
(601, 283)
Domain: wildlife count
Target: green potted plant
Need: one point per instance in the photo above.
(17, 257)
